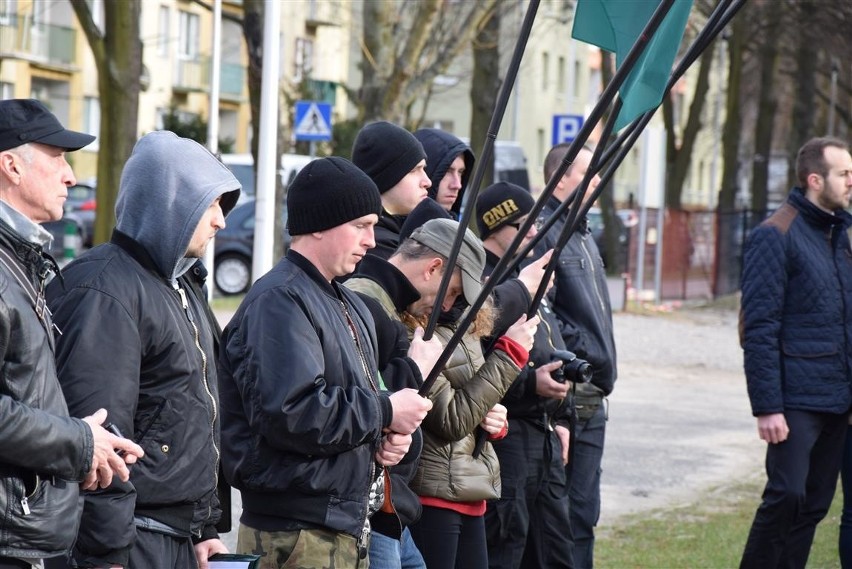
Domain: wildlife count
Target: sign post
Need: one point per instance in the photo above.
(313, 122)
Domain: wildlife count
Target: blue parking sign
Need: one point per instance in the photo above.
(566, 128)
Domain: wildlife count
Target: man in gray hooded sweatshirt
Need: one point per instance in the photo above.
(137, 340)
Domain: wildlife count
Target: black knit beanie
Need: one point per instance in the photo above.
(329, 192)
(499, 204)
(386, 152)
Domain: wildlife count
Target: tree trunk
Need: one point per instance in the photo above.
(484, 87)
(616, 262)
(733, 119)
(253, 35)
(767, 105)
(804, 102)
(118, 56)
(679, 157)
(378, 47)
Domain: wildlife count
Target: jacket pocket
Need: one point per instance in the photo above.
(573, 266)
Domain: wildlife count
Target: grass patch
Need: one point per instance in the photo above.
(230, 303)
(710, 534)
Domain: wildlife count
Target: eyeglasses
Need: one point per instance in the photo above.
(538, 224)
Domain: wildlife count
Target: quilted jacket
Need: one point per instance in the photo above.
(797, 310)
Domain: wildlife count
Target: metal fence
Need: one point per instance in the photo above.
(701, 253)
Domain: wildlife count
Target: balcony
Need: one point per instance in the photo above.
(21, 38)
(323, 13)
(193, 75)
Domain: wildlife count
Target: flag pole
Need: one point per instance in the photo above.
(484, 158)
(717, 21)
(500, 270)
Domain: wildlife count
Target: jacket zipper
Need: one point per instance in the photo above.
(365, 531)
(594, 273)
(185, 304)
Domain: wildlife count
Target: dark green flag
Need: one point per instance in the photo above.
(615, 25)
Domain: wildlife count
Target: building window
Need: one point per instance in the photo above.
(304, 59)
(163, 32)
(7, 12)
(578, 70)
(92, 119)
(6, 91)
(560, 75)
(545, 70)
(188, 38)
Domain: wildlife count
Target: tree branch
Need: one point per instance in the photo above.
(90, 29)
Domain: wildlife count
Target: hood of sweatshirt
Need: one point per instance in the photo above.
(441, 149)
(166, 186)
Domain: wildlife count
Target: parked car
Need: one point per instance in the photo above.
(59, 229)
(596, 225)
(242, 165)
(234, 249)
(82, 203)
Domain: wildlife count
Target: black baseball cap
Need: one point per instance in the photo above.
(28, 120)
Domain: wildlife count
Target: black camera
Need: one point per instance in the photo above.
(573, 368)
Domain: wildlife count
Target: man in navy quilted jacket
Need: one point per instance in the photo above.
(796, 335)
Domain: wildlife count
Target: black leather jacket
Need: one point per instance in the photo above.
(137, 347)
(302, 416)
(43, 451)
(581, 299)
(522, 401)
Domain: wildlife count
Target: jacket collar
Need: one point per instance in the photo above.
(391, 279)
(135, 250)
(814, 215)
(330, 288)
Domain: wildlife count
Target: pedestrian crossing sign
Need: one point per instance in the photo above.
(313, 121)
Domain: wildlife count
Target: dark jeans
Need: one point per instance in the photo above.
(584, 485)
(801, 479)
(529, 525)
(12, 563)
(846, 517)
(450, 540)
(153, 549)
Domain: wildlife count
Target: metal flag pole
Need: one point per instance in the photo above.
(500, 270)
(485, 157)
(628, 136)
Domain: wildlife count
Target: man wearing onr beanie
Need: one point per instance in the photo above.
(306, 428)
(396, 162)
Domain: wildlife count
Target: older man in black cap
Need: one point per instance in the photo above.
(306, 426)
(44, 453)
(529, 525)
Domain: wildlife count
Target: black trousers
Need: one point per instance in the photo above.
(801, 479)
(529, 526)
(12, 563)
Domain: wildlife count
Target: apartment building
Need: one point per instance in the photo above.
(45, 55)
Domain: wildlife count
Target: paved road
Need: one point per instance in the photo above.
(680, 423)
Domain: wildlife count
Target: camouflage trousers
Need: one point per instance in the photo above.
(303, 549)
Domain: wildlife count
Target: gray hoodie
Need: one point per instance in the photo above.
(166, 186)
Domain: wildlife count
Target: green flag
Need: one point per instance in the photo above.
(615, 25)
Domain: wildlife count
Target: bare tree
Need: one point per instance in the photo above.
(406, 46)
(768, 103)
(117, 50)
(679, 149)
(485, 84)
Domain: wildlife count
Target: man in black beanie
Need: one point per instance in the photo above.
(449, 164)
(520, 526)
(306, 425)
(396, 162)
